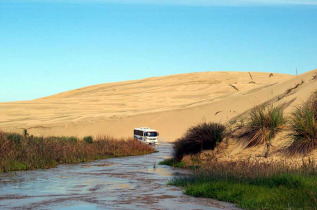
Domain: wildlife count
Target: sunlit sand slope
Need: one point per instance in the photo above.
(169, 104)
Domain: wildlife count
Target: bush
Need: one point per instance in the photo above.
(88, 139)
(264, 123)
(304, 127)
(204, 136)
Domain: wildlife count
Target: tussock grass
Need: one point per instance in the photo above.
(204, 136)
(304, 127)
(23, 152)
(263, 125)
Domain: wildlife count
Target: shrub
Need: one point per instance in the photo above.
(201, 137)
(88, 139)
(264, 123)
(304, 127)
(25, 132)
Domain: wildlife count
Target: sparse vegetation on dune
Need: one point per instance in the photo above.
(257, 183)
(304, 127)
(24, 152)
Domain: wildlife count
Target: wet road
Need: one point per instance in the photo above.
(119, 183)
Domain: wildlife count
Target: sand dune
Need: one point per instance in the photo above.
(169, 104)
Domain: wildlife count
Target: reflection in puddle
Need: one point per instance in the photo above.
(161, 171)
(125, 186)
(120, 183)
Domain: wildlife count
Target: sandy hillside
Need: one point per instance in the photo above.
(169, 104)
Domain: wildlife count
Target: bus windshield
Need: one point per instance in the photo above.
(151, 134)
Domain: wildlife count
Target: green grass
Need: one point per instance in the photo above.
(274, 192)
(171, 162)
(253, 184)
(24, 152)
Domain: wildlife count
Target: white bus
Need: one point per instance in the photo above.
(146, 135)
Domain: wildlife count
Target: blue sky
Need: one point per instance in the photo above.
(47, 48)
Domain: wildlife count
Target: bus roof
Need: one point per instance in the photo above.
(145, 129)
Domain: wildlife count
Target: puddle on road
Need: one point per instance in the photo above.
(119, 183)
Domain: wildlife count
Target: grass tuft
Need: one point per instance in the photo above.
(304, 127)
(264, 123)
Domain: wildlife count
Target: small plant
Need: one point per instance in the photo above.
(241, 123)
(252, 81)
(201, 137)
(250, 76)
(88, 139)
(25, 132)
(304, 127)
(264, 124)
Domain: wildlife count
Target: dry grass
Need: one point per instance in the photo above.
(253, 168)
(288, 91)
(23, 152)
(234, 87)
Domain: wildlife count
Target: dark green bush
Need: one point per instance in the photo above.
(70, 139)
(88, 139)
(15, 138)
(204, 136)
